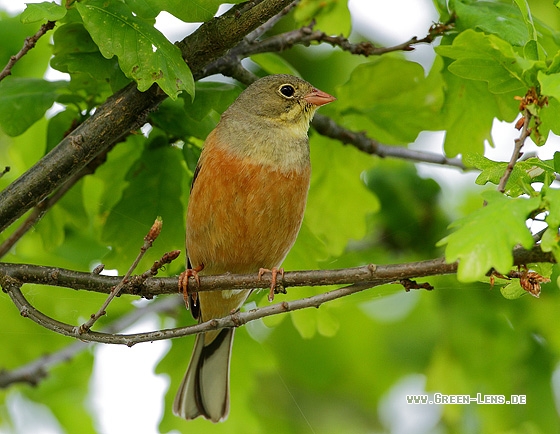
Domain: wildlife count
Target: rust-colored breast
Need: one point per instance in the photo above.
(243, 216)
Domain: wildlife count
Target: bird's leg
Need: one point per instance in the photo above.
(184, 282)
(274, 274)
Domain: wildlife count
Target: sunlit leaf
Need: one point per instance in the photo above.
(144, 54)
(484, 239)
(44, 11)
(487, 58)
(392, 99)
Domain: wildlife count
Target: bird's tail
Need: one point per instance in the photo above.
(205, 389)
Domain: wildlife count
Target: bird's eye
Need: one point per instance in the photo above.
(287, 90)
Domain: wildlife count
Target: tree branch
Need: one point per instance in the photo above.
(13, 276)
(516, 154)
(32, 373)
(532, 99)
(306, 35)
(128, 109)
(149, 239)
(28, 45)
(329, 128)
(152, 287)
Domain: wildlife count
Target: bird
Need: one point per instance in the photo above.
(245, 209)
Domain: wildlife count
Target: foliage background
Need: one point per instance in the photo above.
(347, 366)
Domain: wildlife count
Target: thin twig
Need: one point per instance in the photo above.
(329, 128)
(28, 45)
(233, 320)
(34, 372)
(262, 29)
(6, 170)
(148, 241)
(363, 278)
(305, 36)
(516, 154)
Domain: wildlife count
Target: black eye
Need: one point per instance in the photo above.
(287, 90)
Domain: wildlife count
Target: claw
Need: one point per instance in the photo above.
(273, 279)
(184, 283)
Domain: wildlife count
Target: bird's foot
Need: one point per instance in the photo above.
(184, 283)
(273, 280)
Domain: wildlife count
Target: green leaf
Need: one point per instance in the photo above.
(524, 172)
(531, 30)
(23, 101)
(145, 9)
(550, 84)
(144, 54)
(549, 117)
(557, 161)
(331, 16)
(186, 118)
(471, 125)
(189, 11)
(76, 53)
(496, 18)
(551, 241)
(338, 191)
(157, 184)
(305, 322)
(410, 218)
(485, 238)
(45, 11)
(392, 99)
(211, 97)
(512, 290)
(272, 63)
(488, 58)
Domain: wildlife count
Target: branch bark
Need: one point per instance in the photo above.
(13, 276)
(329, 128)
(152, 287)
(128, 109)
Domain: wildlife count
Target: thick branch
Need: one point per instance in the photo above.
(127, 110)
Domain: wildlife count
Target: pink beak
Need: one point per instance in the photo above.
(318, 97)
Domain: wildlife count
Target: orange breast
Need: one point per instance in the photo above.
(243, 216)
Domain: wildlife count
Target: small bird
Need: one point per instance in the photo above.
(245, 210)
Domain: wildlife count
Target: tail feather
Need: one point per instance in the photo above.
(205, 389)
